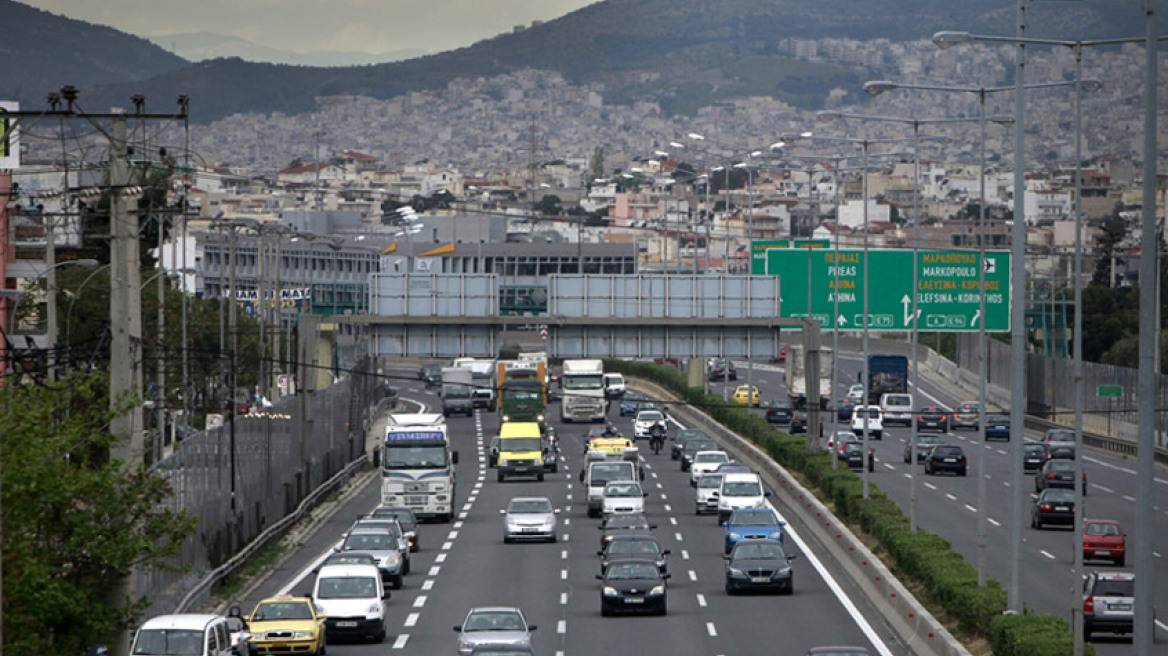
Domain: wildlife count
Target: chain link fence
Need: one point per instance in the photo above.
(280, 456)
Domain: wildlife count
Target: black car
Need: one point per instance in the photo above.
(430, 374)
(1059, 451)
(1057, 474)
(779, 412)
(852, 454)
(405, 518)
(946, 457)
(997, 427)
(843, 409)
(642, 546)
(1033, 456)
(722, 370)
(933, 416)
(623, 524)
(798, 422)
(634, 586)
(759, 565)
(1053, 507)
(684, 435)
(692, 446)
(925, 444)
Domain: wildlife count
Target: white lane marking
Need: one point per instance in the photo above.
(701, 600)
(693, 576)
(1105, 489)
(401, 641)
(567, 520)
(447, 545)
(663, 496)
(660, 486)
(462, 515)
(711, 630)
(684, 554)
(565, 538)
(478, 485)
(434, 571)
(654, 474)
(993, 521)
(568, 497)
(457, 525)
(950, 497)
(1046, 553)
(440, 558)
(888, 466)
(673, 520)
(412, 619)
(1163, 626)
(1129, 497)
(428, 584)
(563, 554)
(668, 508)
(907, 475)
(930, 486)
(563, 575)
(562, 626)
(420, 601)
(1002, 451)
(847, 603)
(677, 536)
(569, 486)
(970, 508)
(563, 598)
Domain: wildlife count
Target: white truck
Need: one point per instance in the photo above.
(417, 465)
(457, 391)
(584, 397)
(483, 378)
(797, 380)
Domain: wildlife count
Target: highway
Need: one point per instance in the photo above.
(948, 505)
(464, 564)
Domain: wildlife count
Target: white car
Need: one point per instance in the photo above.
(622, 497)
(644, 422)
(875, 423)
(740, 491)
(705, 462)
(856, 393)
(706, 497)
(898, 408)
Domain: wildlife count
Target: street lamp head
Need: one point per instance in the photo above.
(1090, 86)
(946, 40)
(877, 87)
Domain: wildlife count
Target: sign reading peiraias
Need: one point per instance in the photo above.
(947, 289)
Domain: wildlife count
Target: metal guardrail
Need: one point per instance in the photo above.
(1104, 442)
(272, 531)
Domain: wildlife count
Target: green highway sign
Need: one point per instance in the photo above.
(947, 288)
(759, 248)
(1110, 391)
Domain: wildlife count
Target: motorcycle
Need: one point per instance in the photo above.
(657, 438)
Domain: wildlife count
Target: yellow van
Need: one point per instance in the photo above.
(520, 450)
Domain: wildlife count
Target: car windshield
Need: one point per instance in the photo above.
(625, 571)
(1061, 466)
(626, 521)
(897, 400)
(602, 473)
(746, 489)
(1114, 588)
(872, 413)
(172, 642)
(968, 408)
(711, 457)
(693, 446)
(853, 447)
(1060, 496)
(622, 490)
(494, 621)
(633, 547)
(650, 415)
(1099, 528)
(282, 610)
(998, 419)
(689, 433)
(369, 542)
(414, 457)
(529, 506)
(934, 411)
(516, 444)
(748, 551)
(710, 481)
(346, 587)
(753, 519)
(1035, 449)
(387, 524)
(928, 439)
(582, 382)
(1060, 436)
(944, 451)
(350, 559)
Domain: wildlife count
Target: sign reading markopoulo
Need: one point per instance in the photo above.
(947, 288)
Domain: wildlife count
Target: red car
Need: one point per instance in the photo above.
(1103, 539)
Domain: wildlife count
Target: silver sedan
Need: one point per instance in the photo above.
(529, 518)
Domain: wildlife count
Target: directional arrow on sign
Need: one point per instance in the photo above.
(973, 322)
(908, 314)
(842, 320)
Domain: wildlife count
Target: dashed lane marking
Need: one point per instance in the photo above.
(970, 508)
(434, 571)
(446, 546)
(701, 601)
(562, 626)
(428, 584)
(950, 497)
(563, 598)
(677, 536)
(401, 641)
(711, 630)
(420, 601)
(693, 576)
(563, 575)
(930, 486)
(993, 521)
(440, 558)
(673, 520)
(1046, 553)
(684, 554)
(412, 619)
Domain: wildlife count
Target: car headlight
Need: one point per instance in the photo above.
(736, 572)
(657, 590)
(539, 460)
(465, 645)
(502, 459)
(302, 635)
(392, 559)
(735, 536)
(506, 417)
(777, 535)
(785, 571)
(374, 611)
(539, 418)
(610, 591)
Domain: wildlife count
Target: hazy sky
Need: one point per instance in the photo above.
(303, 25)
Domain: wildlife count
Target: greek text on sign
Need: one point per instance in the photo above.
(397, 436)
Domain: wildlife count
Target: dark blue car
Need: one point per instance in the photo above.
(749, 524)
(629, 403)
(997, 427)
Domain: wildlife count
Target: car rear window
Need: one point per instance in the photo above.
(1105, 588)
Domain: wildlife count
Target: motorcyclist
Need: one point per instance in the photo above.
(657, 437)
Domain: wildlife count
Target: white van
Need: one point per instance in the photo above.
(599, 474)
(186, 634)
(614, 386)
(897, 408)
(874, 424)
(740, 491)
(352, 598)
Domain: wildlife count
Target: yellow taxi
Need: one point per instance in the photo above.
(286, 625)
(746, 394)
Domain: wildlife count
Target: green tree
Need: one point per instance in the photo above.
(597, 164)
(1114, 231)
(549, 205)
(75, 521)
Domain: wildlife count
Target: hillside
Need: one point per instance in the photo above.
(681, 53)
